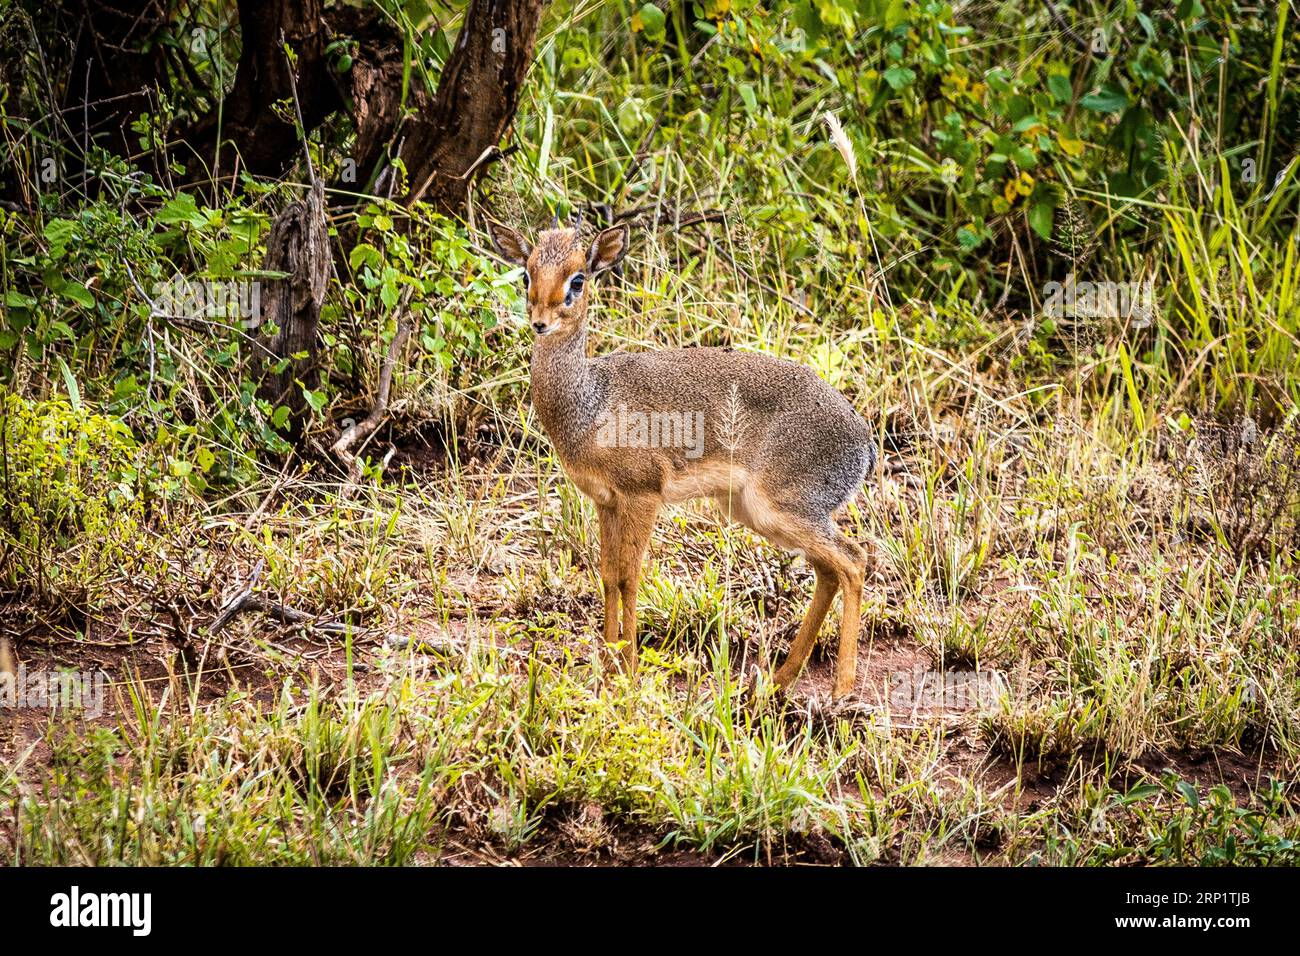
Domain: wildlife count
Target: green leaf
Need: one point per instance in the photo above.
(652, 22)
(899, 77)
(181, 208)
(79, 294)
(315, 399)
(364, 253)
(969, 238)
(1189, 794)
(747, 96)
(74, 393)
(125, 388)
(1109, 99)
(1040, 218)
(1058, 84)
(58, 232)
(1130, 386)
(1140, 792)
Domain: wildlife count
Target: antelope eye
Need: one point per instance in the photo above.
(575, 288)
(525, 281)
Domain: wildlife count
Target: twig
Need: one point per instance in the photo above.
(281, 480)
(490, 155)
(297, 109)
(364, 428)
(445, 645)
(247, 600)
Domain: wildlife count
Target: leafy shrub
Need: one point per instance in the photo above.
(70, 505)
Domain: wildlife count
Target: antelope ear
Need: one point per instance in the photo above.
(510, 245)
(608, 248)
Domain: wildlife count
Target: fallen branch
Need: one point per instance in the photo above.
(247, 600)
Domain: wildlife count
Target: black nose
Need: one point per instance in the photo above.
(539, 326)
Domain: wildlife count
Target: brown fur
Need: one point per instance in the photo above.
(779, 450)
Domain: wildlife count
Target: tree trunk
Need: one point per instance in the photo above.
(442, 136)
(476, 99)
(299, 245)
(373, 91)
(266, 141)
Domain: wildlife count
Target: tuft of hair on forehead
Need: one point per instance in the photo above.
(557, 246)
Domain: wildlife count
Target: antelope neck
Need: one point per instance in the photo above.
(564, 387)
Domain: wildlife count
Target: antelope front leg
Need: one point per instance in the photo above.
(609, 554)
(636, 523)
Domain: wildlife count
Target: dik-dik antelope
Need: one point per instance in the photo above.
(778, 449)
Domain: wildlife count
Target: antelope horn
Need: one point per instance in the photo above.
(577, 220)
